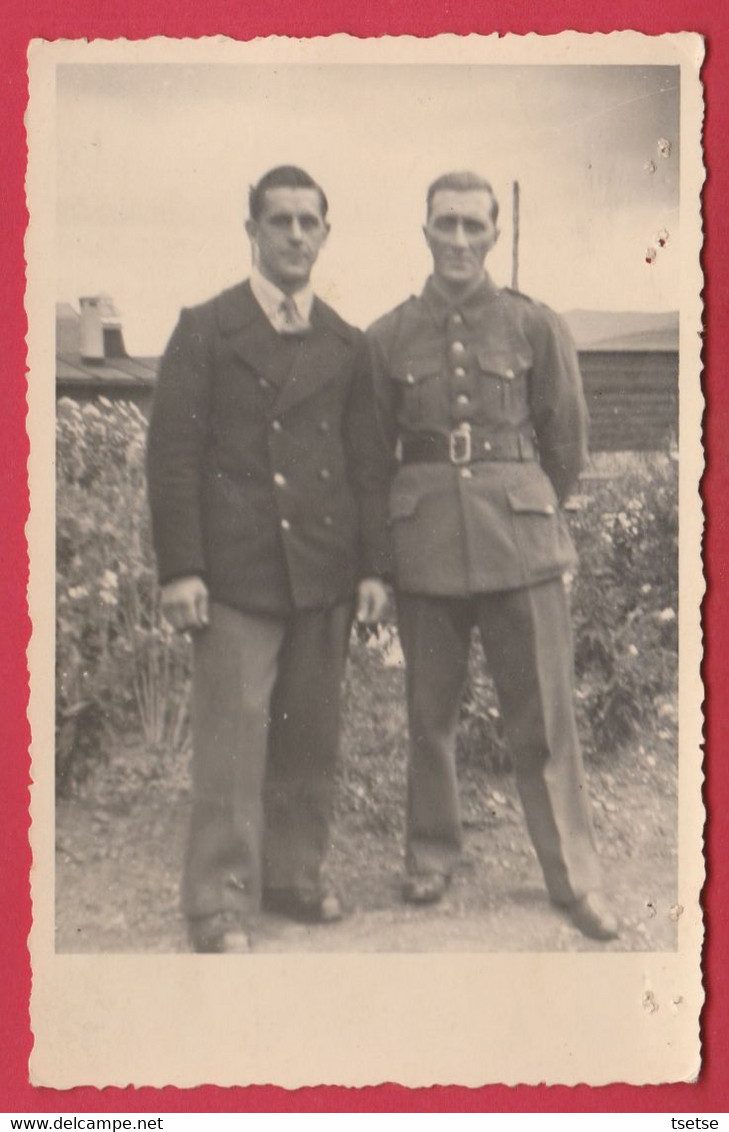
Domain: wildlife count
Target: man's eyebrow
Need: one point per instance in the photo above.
(300, 214)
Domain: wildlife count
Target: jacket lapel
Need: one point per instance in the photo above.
(251, 336)
(322, 353)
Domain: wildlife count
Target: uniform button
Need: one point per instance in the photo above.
(325, 474)
(549, 509)
(323, 426)
(509, 373)
(328, 521)
(487, 446)
(276, 426)
(410, 379)
(263, 383)
(457, 319)
(285, 525)
(466, 474)
(459, 371)
(463, 399)
(279, 480)
(458, 348)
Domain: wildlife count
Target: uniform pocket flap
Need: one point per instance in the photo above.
(417, 369)
(535, 499)
(403, 504)
(504, 368)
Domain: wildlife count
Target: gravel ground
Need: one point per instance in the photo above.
(119, 854)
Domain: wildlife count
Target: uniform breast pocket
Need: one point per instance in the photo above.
(417, 384)
(503, 385)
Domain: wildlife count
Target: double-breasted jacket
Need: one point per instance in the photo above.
(484, 401)
(265, 475)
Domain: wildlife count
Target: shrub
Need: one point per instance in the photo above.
(120, 669)
(117, 664)
(624, 606)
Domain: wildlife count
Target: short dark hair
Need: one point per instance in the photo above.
(283, 177)
(463, 182)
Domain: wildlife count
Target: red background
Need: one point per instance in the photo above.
(138, 19)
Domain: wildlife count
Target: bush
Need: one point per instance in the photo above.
(121, 670)
(624, 605)
(117, 663)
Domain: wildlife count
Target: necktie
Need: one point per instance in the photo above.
(290, 321)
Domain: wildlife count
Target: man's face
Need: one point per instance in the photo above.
(288, 236)
(460, 232)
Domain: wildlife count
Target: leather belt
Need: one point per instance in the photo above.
(466, 445)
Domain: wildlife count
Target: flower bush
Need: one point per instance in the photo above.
(121, 672)
(624, 605)
(117, 664)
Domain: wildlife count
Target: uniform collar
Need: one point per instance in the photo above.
(442, 308)
(269, 297)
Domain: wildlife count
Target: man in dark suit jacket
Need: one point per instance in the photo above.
(265, 476)
(480, 387)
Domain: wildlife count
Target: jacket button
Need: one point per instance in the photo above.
(279, 480)
(463, 399)
(466, 474)
(487, 445)
(509, 373)
(549, 509)
(410, 379)
(458, 348)
(328, 521)
(325, 474)
(276, 426)
(285, 525)
(457, 319)
(323, 426)
(263, 383)
(459, 371)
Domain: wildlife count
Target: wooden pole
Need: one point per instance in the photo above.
(515, 237)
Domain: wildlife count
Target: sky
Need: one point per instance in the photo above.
(154, 163)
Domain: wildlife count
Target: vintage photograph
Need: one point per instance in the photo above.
(368, 456)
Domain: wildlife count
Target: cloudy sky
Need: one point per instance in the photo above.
(154, 162)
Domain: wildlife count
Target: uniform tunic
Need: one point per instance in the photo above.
(506, 367)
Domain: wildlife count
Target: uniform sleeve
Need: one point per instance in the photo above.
(558, 405)
(369, 466)
(175, 450)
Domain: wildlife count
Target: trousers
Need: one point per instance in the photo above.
(265, 726)
(527, 640)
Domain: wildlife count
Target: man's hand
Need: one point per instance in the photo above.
(372, 599)
(185, 603)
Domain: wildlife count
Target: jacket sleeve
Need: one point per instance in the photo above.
(369, 466)
(558, 404)
(176, 446)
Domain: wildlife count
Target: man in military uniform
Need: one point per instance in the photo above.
(264, 474)
(480, 388)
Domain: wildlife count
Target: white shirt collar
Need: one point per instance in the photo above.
(270, 297)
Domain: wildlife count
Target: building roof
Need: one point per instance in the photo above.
(72, 368)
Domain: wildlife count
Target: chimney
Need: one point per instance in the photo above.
(101, 330)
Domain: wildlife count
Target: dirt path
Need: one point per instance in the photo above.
(118, 875)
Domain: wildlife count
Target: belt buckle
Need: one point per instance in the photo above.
(459, 444)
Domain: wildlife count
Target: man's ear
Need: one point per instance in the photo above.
(497, 233)
(426, 233)
(251, 228)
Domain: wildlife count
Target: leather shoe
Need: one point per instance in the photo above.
(218, 935)
(594, 917)
(425, 888)
(315, 907)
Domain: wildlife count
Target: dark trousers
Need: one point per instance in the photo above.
(527, 639)
(266, 713)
